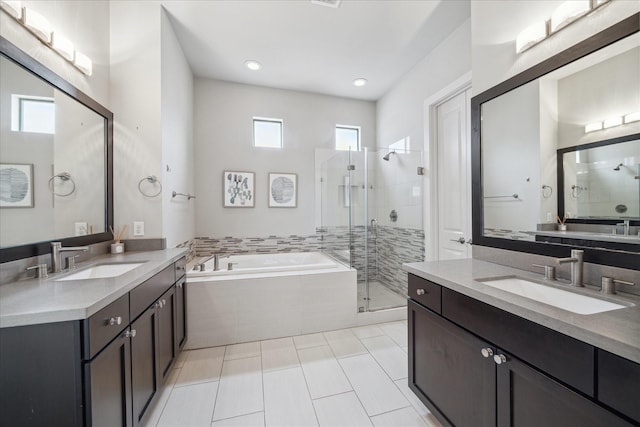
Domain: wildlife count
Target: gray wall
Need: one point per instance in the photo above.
(224, 141)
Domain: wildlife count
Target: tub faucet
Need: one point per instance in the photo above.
(56, 254)
(625, 227)
(576, 266)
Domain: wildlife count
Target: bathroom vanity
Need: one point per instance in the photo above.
(82, 351)
(482, 356)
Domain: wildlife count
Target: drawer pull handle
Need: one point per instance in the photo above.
(500, 359)
(130, 334)
(486, 352)
(115, 321)
(420, 292)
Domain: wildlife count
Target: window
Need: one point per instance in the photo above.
(33, 114)
(401, 146)
(347, 138)
(267, 132)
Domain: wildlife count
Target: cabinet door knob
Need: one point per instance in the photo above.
(130, 334)
(164, 302)
(180, 284)
(486, 352)
(500, 359)
(420, 292)
(115, 321)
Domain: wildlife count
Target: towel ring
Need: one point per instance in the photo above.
(64, 177)
(153, 180)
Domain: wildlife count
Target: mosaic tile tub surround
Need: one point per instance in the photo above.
(389, 248)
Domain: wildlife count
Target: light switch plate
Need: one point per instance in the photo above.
(138, 228)
(81, 228)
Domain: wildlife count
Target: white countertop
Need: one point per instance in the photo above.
(34, 301)
(616, 331)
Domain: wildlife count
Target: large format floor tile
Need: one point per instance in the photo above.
(190, 406)
(286, 399)
(388, 355)
(252, 420)
(349, 377)
(323, 372)
(279, 354)
(341, 410)
(406, 417)
(344, 343)
(240, 390)
(375, 389)
(201, 366)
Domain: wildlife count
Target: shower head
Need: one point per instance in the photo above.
(617, 168)
(388, 155)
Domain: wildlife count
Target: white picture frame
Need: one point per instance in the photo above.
(16, 185)
(238, 189)
(283, 190)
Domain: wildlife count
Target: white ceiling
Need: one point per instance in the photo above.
(307, 47)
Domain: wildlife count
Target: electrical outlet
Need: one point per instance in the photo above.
(138, 228)
(81, 228)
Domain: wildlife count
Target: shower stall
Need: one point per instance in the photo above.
(371, 215)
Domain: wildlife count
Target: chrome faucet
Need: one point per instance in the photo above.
(56, 254)
(576, 266)
(216, 263)
(625, 227)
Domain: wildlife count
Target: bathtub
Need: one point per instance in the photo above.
(266, 263)
(269, 296)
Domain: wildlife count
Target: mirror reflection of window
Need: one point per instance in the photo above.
(35, 114)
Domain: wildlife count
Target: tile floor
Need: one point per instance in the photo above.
(380, 297)
(348, 377)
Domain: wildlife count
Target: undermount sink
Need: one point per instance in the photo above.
(566, 300)
(102, 271)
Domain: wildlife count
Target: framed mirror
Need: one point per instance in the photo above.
(519, 129)
(56, 160)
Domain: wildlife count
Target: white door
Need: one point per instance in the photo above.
(454, 177)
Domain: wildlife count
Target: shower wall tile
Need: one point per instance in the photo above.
(395, 246)
(251, 245)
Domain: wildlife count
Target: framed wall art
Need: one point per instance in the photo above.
(283, 190)
(16, 185)
(238, 189)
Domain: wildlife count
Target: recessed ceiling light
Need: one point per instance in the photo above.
(253, 65)
(329, 3)
(360, 82)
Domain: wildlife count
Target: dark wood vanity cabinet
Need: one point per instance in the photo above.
(447, 372)
(102, 371)
(108, 385)
(474, 365)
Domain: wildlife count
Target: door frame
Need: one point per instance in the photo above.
(430, 211)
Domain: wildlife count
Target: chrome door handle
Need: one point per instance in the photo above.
(420, 292)
(486, 352)
(500, 359)
(460, 240)
(130, 334)
(115, 321)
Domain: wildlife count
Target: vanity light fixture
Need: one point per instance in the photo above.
(568, 12)
(63, 46)
(530, 36)
(565, 14)
(41, 28)
(13, 8)
(591, 127)
(611, 122)
(359, 82)
(632, 117)
(253, 65)
(37, 24)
